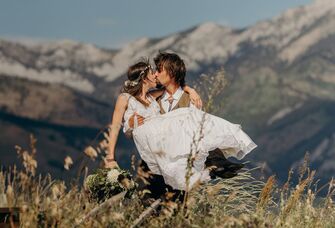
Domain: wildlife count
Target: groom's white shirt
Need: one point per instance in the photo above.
(176, 97)
(127, 129)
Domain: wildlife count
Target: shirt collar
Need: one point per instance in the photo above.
(176, 95)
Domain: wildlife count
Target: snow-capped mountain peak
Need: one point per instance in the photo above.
(81, 66)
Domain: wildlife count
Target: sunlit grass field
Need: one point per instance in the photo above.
(242, 201)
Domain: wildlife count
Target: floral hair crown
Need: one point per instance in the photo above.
(136, 81)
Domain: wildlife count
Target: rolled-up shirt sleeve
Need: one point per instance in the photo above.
(127, 130)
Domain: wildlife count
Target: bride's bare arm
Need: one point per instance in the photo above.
(194, 96)
(114, 129)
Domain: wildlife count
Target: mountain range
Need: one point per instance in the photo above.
(280, 76)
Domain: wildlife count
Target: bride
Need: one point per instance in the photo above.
(167, 142)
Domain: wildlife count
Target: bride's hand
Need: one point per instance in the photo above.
(110, 163)
(195, 98)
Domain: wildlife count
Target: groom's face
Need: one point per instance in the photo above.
(162, 76)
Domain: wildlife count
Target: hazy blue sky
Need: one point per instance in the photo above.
(111, 23)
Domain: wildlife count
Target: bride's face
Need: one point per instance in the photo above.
(151, 79)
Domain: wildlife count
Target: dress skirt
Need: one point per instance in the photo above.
(167, 143)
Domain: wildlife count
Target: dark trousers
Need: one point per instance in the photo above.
(154, 187)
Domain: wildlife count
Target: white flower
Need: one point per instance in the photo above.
(112, 175)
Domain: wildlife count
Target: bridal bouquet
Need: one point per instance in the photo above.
(105, 183)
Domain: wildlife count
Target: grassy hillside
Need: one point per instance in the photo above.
(54, 143)
(241, 201)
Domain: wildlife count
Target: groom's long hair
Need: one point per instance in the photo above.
(173, 64)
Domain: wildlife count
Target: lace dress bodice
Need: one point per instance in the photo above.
(135, 106)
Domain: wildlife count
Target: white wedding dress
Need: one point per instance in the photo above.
(166, 141)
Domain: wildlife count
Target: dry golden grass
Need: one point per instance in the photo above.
(241, 201)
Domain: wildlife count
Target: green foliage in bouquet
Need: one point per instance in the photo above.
(105, 183)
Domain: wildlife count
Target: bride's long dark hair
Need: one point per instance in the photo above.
(136, 73)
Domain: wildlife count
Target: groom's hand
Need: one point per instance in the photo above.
(140, 120)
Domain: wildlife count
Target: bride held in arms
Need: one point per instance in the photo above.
(166, 141)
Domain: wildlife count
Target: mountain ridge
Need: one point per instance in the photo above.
(280, 75)
(194, 45)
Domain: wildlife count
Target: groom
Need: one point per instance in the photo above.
(170, 73)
